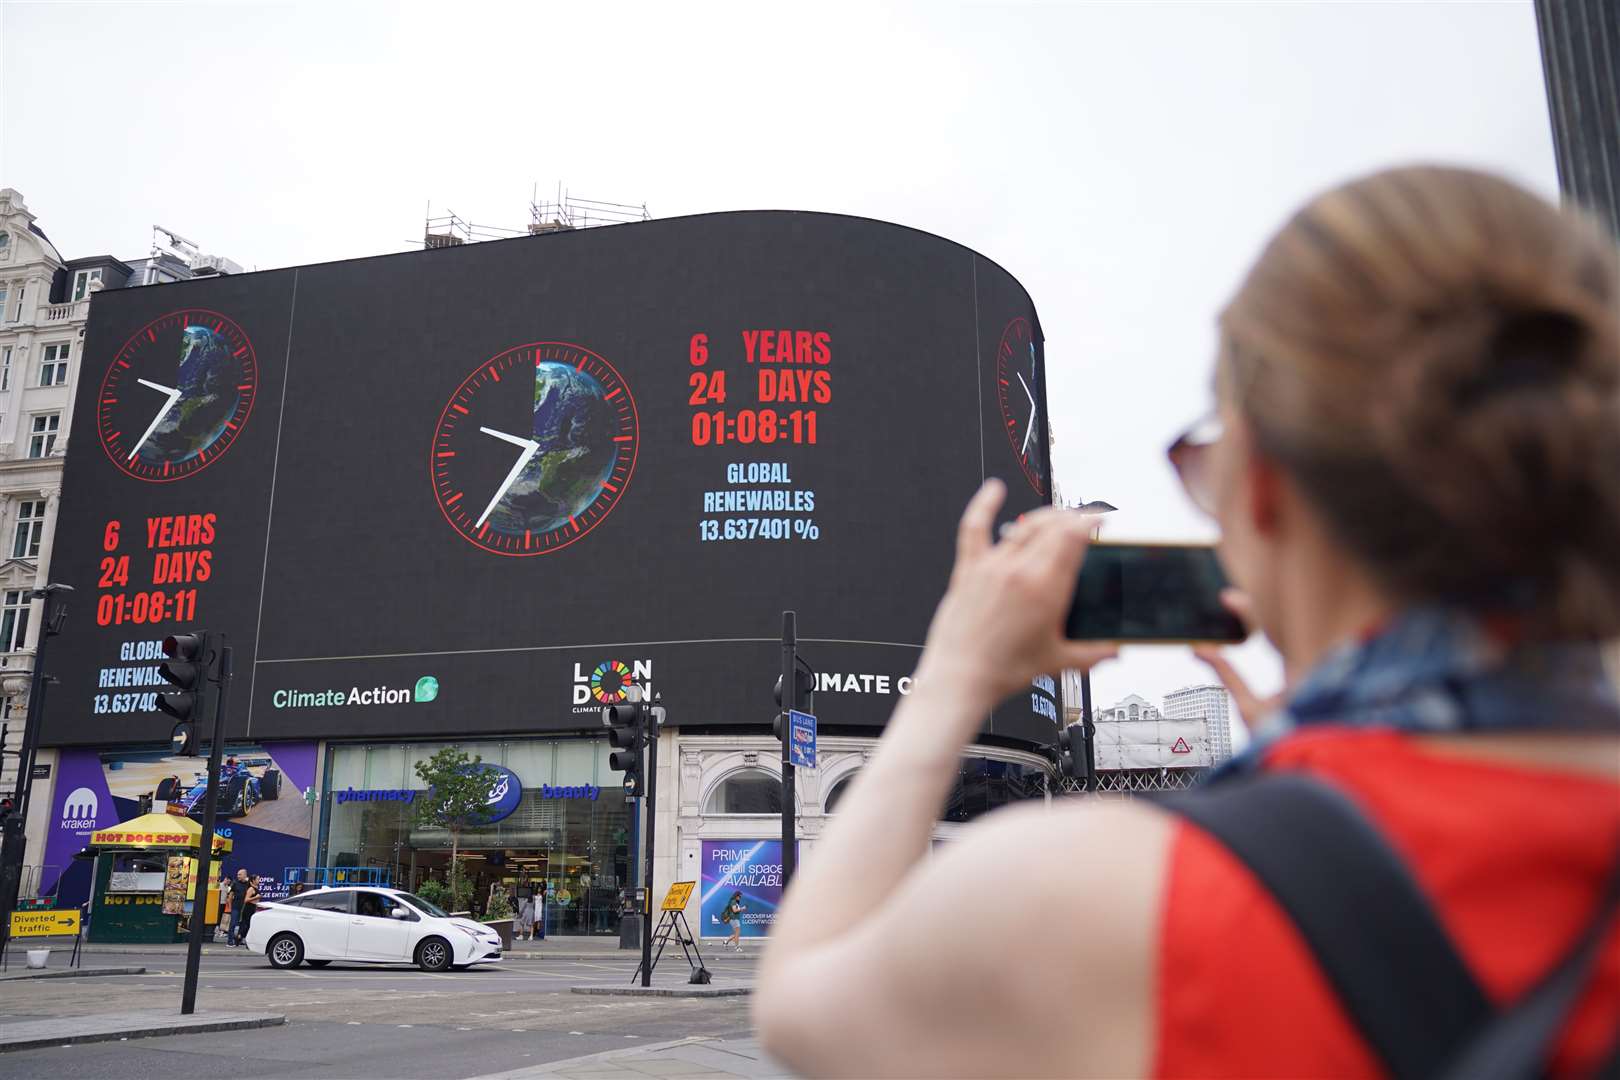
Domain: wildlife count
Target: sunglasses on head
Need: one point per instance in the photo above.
(1189, 456)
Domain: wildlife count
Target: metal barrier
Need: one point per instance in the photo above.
(323, 876)
(1131, 781)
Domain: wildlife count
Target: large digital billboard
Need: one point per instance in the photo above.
(481, 489)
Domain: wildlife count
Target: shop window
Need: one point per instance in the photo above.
(137, 871)
(830, 803)
(984, 785)
(752, 791)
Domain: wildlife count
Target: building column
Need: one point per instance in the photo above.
(47, 541)
(1580, 40)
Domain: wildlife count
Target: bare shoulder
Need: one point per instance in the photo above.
(1101, 863)
(1074, 918)
(1026, 948)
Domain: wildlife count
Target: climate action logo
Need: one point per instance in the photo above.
(609, 683)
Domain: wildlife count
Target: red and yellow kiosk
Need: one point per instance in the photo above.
(144, 883)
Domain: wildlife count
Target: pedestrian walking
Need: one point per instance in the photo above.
(1414, 463)
(731, 915)
(225, 907)
(236, 901)
(525, 917)
(250, 904)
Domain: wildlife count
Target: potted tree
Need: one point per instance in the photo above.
(498, 914)
(457, 798)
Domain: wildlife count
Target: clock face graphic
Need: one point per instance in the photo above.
(1016, 380)
(177, 395)
(534, 448)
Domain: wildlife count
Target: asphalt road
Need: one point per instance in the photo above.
(363, 1022)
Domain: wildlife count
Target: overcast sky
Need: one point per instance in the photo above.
(1124, 161)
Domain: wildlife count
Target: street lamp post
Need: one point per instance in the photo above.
(12, 827)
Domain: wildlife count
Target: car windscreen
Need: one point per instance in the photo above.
(425, 907)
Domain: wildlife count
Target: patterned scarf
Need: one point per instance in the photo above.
(1431, 670)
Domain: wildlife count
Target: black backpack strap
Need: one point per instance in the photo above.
(1374, 934)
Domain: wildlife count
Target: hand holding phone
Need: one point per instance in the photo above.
(1154, 593)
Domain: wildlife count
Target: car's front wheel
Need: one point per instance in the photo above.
(434, 954)
(285, 951)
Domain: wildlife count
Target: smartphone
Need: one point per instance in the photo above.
(1151, 593)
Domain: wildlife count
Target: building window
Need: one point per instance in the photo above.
(984, 785)
(53, 365)
(830, 803)
(14, 620)
(5, 361)
(82, 282)
(18, 313)
(30, 527)
(2, 299)
(42, 441)
(753, 791)
(5, 243)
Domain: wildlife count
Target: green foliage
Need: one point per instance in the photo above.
(436, 893)
(462, 886)
(457, 793)
(457, 797)
(500, 905)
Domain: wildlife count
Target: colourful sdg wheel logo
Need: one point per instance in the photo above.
(609, 681)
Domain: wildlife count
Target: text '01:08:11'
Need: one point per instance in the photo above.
(754, 425)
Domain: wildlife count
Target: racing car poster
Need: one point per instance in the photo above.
(261, 807)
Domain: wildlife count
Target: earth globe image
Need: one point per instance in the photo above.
(208, 397)
(574, 425)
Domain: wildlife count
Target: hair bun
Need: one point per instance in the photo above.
(1434, 355)
(1531, 349)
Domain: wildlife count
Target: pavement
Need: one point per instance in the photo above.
(123, 1026)
(704, 990)
(556, 948)
(695, 1058)
(366, 1022)
(68, 973)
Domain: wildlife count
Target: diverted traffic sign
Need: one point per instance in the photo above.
(801, 739)
(44, 923)
(679, 893)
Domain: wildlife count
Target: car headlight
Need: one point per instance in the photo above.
(474, 934)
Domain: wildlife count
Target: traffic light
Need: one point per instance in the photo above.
(805, 696)
(627, 734)
(186, 669)
(1071, 751)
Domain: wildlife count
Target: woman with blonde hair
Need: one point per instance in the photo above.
(1414, 462)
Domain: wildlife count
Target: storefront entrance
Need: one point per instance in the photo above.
(566, 844)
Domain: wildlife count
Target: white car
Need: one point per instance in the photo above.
(370, 925)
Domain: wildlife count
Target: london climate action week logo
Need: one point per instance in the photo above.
(609, 683)
(425, 690)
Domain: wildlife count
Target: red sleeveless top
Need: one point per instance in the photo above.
(1513, 859)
